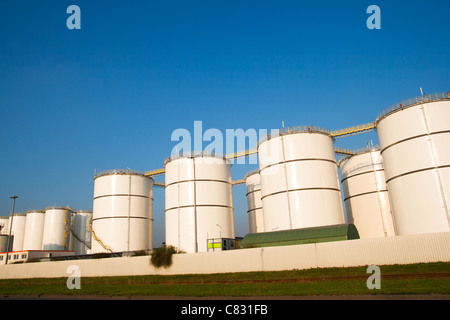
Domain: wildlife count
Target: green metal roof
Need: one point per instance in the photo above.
(300, 236)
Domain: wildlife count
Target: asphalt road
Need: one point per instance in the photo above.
(258, 298)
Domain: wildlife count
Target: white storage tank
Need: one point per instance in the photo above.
(122, 217)
(254, 203)
(17, 230)
(34, 230)
(414, 138)
(4, 221)
(365, 194)
(56, 235)
(80, 240)
(199, 204)
(299, 180)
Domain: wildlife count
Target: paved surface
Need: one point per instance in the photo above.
(318, 297)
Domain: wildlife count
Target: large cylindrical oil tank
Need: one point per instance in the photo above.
(80, 240)
(34, 230)
(254, 203)
(122, 217)
(17, 230)
(199, 204)
(414, 138)
(299, 180)
(365, 194)
(56, 235)
(4, 221)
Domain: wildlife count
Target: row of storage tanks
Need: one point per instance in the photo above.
(198, 201)
(55, 228)
(401, 188)
(316, 200)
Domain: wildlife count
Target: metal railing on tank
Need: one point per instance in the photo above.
(431, 97)
(251, 172)
(352, 153)
(118, 171)
(297, 129)
(194, 154)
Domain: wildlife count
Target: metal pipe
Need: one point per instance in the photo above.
(10, 228)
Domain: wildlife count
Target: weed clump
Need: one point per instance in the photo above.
(162, 257)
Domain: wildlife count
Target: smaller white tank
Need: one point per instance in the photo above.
(254, 203)
(34, 230)
(17, 230)
(365, 194)
(56, 228)
(80, 240)
(4, 221)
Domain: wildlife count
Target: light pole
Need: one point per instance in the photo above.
(10, 228)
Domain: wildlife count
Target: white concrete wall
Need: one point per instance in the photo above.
(379, 251)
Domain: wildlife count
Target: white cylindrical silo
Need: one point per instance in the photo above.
(122, 217)
(254, 203)
(414, 138)
(34, 230)
(56, 235)
(80, 240)
(199, 204)
(299, 180)
(4, 221)
(365, 194)
(17, 230)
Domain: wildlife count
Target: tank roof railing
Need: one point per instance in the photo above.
(359, 151)
(36, 210)
(296, 129)
(194, 154)
(55, 207)
(119, 171)
(430, 97)
(366, 149)
(248, 174)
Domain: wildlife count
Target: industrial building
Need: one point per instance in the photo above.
(330, 233)
(294, 197)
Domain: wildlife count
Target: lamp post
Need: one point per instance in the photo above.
(10, 228)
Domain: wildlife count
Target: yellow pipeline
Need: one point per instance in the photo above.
(97, 238)
(335, 134)
(240, 181)
(66, 230)
(353, 130)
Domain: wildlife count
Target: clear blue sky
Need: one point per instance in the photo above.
(110, 95)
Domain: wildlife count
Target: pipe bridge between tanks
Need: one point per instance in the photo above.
(249, 152)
